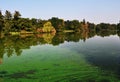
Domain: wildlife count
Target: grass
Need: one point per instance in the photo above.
(68, 31)
(15, 33)
(18, 33)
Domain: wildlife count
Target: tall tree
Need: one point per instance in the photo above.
(57, 23)
(84, 22)
(8, 15)
(91, 26)
(1, 22)
(72, 25)
(17, 15)
(1, 16)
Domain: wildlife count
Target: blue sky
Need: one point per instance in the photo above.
(92, 10)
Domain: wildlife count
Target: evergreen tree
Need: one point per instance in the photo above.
(8, 15)
(17, 15)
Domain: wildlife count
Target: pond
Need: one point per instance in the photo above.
(63, 57)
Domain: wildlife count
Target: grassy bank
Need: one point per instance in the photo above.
(68, 31)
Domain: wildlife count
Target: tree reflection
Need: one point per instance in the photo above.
(16, 44)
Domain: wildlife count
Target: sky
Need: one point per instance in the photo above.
(95, 11)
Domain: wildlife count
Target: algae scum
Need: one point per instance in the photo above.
(95, 60)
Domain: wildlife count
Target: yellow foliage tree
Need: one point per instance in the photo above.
(47, 27)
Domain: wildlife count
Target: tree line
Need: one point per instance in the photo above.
(15, 23)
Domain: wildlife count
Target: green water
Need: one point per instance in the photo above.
(59, 59)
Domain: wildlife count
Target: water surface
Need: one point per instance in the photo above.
(60, 58)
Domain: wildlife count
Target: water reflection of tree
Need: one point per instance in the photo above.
(118, 33)
(106, 33)
(58, 39)
(16, 44)
(75, 37)
(48, 37)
